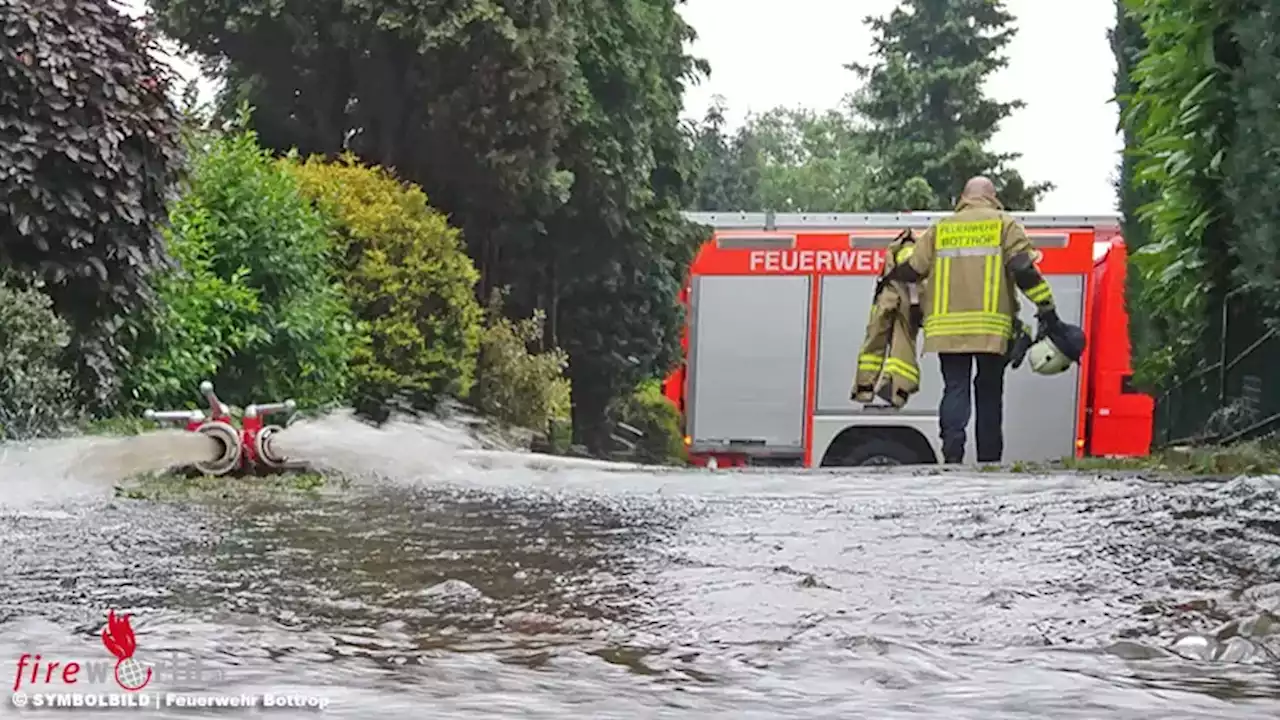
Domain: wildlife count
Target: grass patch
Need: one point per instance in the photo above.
(1261, 457)
(180, 486)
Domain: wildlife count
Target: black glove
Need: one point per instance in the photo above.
(1019, 344)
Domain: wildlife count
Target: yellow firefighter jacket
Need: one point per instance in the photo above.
(970, 299)
(887, 360)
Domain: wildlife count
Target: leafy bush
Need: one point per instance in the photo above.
(410, 282)
(253, 307)
(650, 412)
(35, 395)
(91, 149)
(202, 321)
(516, 386)
(1180, 113)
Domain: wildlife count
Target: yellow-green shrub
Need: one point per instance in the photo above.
(409, 279)
(518, 386)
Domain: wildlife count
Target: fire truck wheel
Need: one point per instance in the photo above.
(879, 451)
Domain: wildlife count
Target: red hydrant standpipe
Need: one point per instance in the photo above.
(257, 436)
(245, 448)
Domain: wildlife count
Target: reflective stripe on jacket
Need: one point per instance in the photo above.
(969, 299)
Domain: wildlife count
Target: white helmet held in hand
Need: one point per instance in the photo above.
(1046, 358)
(1056, 349)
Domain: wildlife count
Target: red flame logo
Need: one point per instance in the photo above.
(118, 638)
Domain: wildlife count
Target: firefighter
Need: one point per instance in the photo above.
(887, 365)
(972, 261)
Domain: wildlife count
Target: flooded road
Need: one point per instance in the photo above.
(462, 589)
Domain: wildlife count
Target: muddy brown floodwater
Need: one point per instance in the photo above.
(499, 591)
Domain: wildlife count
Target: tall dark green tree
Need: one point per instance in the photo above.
(786, 159)
(90, 148)
(467, 99)
(619, 245)
(726, 165)
(930, 121)
(810, 160)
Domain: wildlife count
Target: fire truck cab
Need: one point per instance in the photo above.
(777, 306)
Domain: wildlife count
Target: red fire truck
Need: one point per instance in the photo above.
(777, 308)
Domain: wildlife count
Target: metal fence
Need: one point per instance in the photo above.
(1234, 394)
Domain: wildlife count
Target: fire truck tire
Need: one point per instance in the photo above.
(879, 451)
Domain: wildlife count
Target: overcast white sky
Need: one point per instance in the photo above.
(765, 53)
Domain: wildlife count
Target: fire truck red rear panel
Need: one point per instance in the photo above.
(777, 312)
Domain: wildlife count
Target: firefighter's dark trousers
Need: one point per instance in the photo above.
(988, 397)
